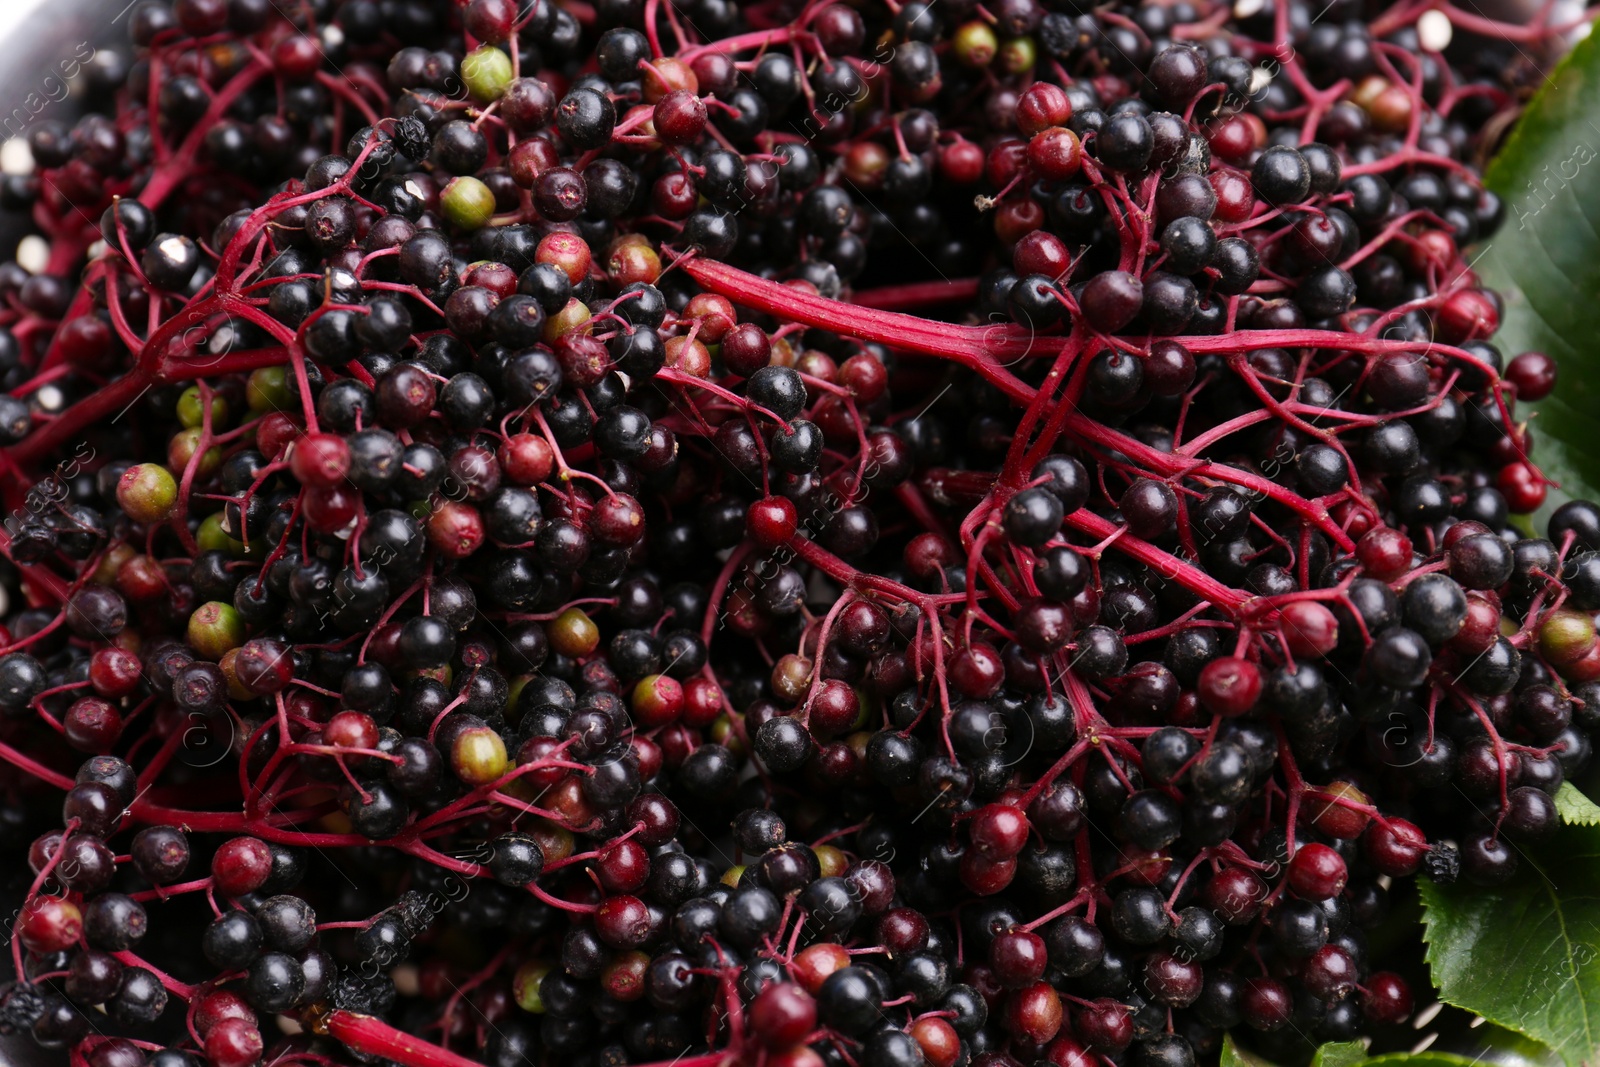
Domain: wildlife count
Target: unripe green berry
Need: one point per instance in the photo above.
(467, 203)
(1565, 636)
(182, 448)
(573, 633)
(525, 985)
(213, 537)
(215, 629)
(191, 413)
(478, 756)
(975, 44)
(487, 72)
(1018, 55)
(268, 389)
(147, 492)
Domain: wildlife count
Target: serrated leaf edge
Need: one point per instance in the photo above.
(1427, 890)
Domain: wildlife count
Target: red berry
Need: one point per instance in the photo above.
(1466, 315)
(794, 1055)
(218, 1006)
(1034, 1014)
(623, 867)
(274, 432)
(772, 521)
(1534, 375)
(1522, 486)
(961, 162)
(940, 1044)
(998, 831)
(234, 1043)
(1041, 253)
(618, 519)
(1481, 628)
(782, 1014)
(746, 349)
(1235, 894)
(201, 18)
(927, 555)
(297, 57)
(1041, 106)
(351, 729)
(1317, 872)
(1005, 161)
(1384, 553)
(320, 459)
(624, 977)
(623, 922)
(702, 702)
(491, 21)
(1386, 998)
(1054, 153)
(902, 930)
(863, 374)
(813, 965)
(332, 509)
(240, 866)
(455, 529)
(1395, 847)
(680, 117)
(977, 671)
(1173, 981)
(1067, 1052)
(526, 459)
(1266, 1004)
(657, 700)
(92, 725)
(1330, 974)
(1234, 139)
(834, 709)
(1333, 818)
(114, 672)
(263, 665)
(1235, 198)
(985, 876)
(1309, 628)
(50, 924)
(1105, 1026)
(1229, 686)
(1017, 958)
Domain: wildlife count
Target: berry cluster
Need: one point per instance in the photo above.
(816, 534)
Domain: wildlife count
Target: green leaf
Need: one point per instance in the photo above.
(1234, 1056)
(1526, 954)
(1545, 261)
(1421, 1059)
(1341, 1054)
(1348, 1054)
(1575, 808)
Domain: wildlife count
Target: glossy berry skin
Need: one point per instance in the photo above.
(772, 521)
(1017, 958)
(160, 853)
(782, 1014)
(999, 831)
(1048, 580)
(241, 866)
(1317, 872)
(1534, 375)
(1266, 1004)
(1386, 999)
(1034, 1013)
(1229, 687)
(1104, 1025)
(50, 924)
